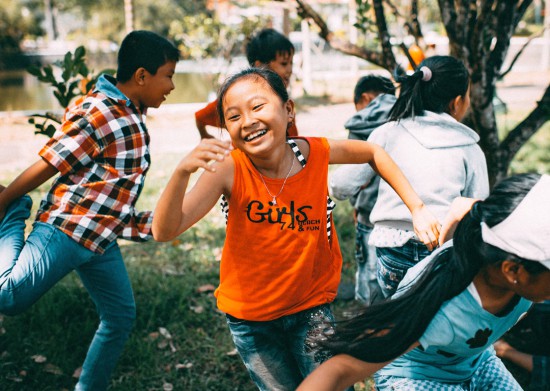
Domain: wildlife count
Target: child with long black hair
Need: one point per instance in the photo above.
(437, 331)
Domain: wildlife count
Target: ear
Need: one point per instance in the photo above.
(259, 64)
(139, 76)
(289, 107)
(510, 270)
(455, 104)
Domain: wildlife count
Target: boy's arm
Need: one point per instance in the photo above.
(28, 180)
(425, 224)
(208, 115)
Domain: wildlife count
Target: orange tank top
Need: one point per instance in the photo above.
(277, 259)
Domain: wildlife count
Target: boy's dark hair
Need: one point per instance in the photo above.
(144, 49)
(449, 79)
(265, 45)
(386, 330)
(270, 77)
(372, 83)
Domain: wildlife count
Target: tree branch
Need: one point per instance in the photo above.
(518, 54)
(307, 12)
(526, 128)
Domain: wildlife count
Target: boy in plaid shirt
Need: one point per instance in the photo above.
(101, 152)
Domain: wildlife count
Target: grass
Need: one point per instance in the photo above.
(180, 340)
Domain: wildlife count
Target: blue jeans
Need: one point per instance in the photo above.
(280, 353)
(367, 289)
(393, 263)
(28, 269)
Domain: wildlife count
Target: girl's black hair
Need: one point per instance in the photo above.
(265, 45)
(144, 49)
(449, 79)
(386, 330)
(270, 77)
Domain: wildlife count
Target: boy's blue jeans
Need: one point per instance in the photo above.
(28, 269)
(279, 354)
(367, 289)
(393, 263)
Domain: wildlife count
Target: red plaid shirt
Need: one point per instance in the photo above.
(102, 154)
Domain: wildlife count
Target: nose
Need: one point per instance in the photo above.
(248, 120)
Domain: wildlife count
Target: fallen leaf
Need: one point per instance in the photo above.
(77, 372)
(167, 387)
(54, 370)
(185, 365)
(199, 309)
(38, 358)
(165, 333)
(206, 288)
(233, 352)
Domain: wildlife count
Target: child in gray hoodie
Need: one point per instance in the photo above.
(439, 156)
(373, 97)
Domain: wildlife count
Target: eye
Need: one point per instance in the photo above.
(234, 117)
(257, 107)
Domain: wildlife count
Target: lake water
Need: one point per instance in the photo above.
(20, 91)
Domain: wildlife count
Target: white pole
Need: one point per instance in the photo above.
(545, 61)
(307, 82)
(129, 15)
(353, 35)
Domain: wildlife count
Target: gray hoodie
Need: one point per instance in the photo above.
(438, 155)
(360, 126)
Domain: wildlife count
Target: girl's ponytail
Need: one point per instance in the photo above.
(386, 330)
(436, 82)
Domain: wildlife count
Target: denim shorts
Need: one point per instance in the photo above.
(280, 353)
(393, 263)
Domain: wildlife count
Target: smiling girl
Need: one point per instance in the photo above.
(281, 261)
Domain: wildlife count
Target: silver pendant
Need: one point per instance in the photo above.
(273, 201)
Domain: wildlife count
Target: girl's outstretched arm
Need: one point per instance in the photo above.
(176, 211)
(338, 373)
(425, 224)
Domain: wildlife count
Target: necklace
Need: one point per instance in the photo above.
(274, 197)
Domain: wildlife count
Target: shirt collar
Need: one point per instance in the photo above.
(106, 84)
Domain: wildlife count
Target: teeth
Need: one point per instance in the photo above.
(255, 135)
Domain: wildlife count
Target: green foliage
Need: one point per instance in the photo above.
(74, 79)
(16, 24)
(201, 35)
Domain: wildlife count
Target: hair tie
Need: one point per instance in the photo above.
(475, 213)
(426, 73)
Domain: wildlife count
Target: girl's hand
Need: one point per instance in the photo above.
(459, 207)
(204, 155)
(426, 226)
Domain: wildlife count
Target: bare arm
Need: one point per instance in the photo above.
(458, 209)
(176, 211)
(28, 180)
(340, 372)
(425, 224)
(202, 129)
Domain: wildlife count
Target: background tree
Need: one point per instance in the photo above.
(17, 22)
(479, 34)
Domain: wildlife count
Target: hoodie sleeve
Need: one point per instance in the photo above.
(477, 185)
(347, 180)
